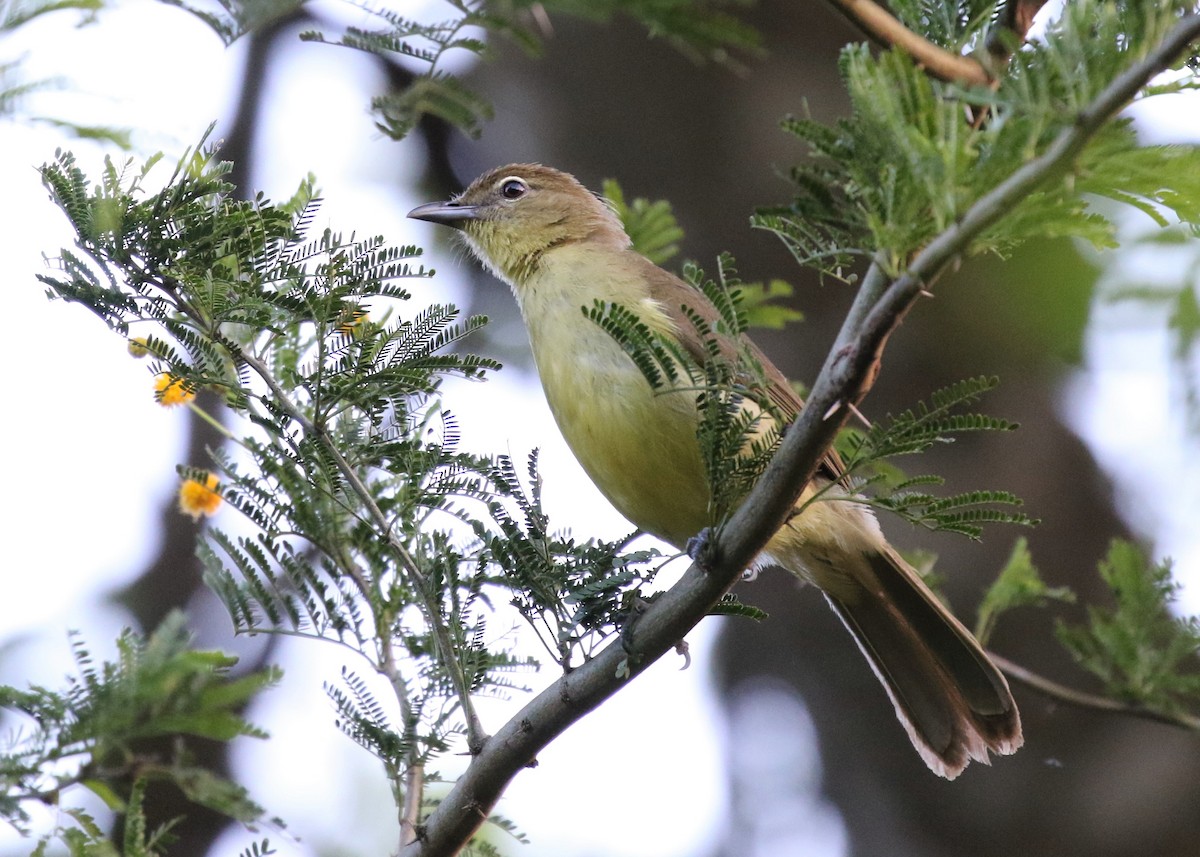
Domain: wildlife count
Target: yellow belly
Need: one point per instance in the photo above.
(638, 447)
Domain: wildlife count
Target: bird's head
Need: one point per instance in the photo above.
(513, 215)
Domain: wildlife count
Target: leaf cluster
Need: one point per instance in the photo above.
(914, 154)
(650, 224)
(97, 732)
(346, 461)
(654, 232)
(1138, 648)
(867, 457)
(1017, 585)
(1145, 654)
(958, 26)
(574, 595)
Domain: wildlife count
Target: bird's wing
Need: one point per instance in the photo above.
(673, 294)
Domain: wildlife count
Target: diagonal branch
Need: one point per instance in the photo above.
(844, 380)
(887, 30)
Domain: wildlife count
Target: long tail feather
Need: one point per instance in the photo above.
(953, 701)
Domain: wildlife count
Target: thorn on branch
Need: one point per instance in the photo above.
(858, 415)
(538, 12)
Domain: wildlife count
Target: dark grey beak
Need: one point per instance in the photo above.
(446, 213)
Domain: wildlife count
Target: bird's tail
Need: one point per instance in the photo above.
(952, 700)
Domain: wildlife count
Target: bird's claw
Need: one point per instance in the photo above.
(682, 648)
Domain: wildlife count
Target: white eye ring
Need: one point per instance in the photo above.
(513, 188)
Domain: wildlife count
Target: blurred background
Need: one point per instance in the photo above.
(778, 740)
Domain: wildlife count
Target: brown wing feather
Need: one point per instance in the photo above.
(673, 294)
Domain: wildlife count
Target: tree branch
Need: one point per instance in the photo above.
(1062, 693)
(885, 29)
(844, 379)
(413, 778)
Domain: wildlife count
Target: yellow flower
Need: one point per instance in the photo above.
(171, 390)
(138, 347)
(199, 499)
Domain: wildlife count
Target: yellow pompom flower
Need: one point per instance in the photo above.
(138, 347)
(199, 499)
(170, 390)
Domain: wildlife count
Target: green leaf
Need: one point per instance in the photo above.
(106, 793)
(651, 226)
(1018, 585)
(205, 788)
(436, 94)
(866, 456)
(1140, 650)
(911, 159)
(731, 605)
(763, 306)
(94, 732)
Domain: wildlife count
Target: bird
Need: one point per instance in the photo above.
(562, 249)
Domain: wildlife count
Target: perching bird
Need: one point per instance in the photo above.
(561, 248)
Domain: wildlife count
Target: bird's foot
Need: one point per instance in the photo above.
(700, 548)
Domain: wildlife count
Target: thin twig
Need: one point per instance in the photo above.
(414, 774)
(878, 309)
(476, 735)
(883, 27)
(1062, 693)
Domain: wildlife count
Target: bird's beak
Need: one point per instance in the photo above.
(447, 213)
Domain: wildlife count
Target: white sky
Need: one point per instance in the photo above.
(74, 532)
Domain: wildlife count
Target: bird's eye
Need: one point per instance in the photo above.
(513, 189)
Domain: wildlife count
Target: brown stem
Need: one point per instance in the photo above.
(1062, 693)
(885, 29)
